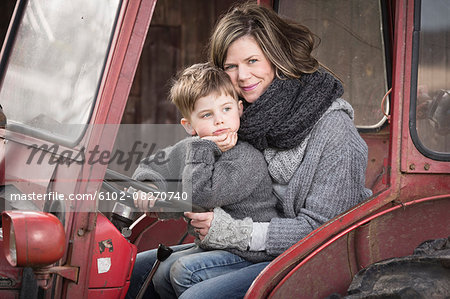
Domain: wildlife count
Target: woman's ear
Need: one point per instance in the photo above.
(240, 108)
(187, 126)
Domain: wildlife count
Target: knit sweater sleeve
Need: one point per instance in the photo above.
(164, 166)
(329, 181)
(217, 179)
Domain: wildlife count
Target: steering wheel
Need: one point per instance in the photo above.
(161, 206)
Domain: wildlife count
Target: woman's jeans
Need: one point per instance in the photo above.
(202, 274)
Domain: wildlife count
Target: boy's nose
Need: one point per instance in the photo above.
(218, 120)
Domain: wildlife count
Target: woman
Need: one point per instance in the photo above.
(295, 115)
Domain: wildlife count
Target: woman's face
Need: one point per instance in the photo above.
(249, 69)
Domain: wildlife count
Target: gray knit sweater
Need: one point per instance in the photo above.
(237, 180)
(314, 182)
(328, 179)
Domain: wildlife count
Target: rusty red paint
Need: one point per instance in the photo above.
(364, 234)
(111, 265)
(397, 184)
(133, 24)
(393, 232)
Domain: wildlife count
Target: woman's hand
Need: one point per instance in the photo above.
(224, 141)
(201, 222)
(218, 230)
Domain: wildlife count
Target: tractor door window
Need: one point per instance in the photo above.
(352, 46)
(432, 94)
(55, 65)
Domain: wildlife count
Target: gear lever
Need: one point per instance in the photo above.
(162, 254)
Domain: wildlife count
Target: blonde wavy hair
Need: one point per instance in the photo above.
(287, 45)
(197, 81)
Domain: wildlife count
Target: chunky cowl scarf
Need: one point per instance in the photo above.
(285, 113)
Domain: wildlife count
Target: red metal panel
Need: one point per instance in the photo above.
(333, 264)
(152, 233)
(11, 277)
(127, 44)
(412, 161)
(394, 232)
(376, 173)
(27, 176)
(113, 258)
(107, 293)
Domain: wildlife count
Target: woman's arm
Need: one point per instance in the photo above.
(329, 181)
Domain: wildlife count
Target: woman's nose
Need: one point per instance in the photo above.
(243, 73)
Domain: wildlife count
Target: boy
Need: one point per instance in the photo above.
(216, 168)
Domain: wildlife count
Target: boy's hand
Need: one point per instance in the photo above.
(224, 141)
(142, 201)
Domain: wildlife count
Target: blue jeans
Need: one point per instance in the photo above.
(202, 273)
(233, 284)
(161, 280)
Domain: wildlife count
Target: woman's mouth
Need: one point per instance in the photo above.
(249, 87)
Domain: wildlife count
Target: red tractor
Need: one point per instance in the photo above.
(66, 71)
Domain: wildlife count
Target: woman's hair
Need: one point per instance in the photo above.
(286, 44)
(197, 81)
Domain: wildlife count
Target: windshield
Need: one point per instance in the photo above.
(433, 80)
(352, 46)
(55, 66)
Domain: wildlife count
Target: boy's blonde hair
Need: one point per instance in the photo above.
(197, 81)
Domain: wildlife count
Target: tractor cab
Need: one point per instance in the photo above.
(72, 73)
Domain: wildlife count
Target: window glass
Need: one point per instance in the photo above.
(433, 81)
(351, 46)
(54, 69)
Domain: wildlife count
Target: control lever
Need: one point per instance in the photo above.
(162, 254)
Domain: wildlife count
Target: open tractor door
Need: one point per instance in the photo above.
(66, 70)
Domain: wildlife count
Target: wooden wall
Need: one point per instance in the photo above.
(177, 38)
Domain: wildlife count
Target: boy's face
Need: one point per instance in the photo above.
(214, 115)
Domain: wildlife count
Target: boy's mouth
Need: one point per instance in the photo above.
(219, 132)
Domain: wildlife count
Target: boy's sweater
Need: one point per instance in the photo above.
(237, 180)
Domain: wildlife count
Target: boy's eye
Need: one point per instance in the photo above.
(206, 115)
(252, 61)
(227, 109)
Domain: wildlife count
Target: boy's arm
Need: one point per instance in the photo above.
(163, 171)
(164, 166)
(217, 179)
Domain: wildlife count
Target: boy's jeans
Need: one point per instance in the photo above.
(189, 265)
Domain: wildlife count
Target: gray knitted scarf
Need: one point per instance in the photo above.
(287, 111)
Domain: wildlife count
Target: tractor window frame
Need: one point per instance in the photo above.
(46, 132)
(414, 101)
(385, 29)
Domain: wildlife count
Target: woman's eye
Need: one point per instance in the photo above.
(229, 67)
(252, 61)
